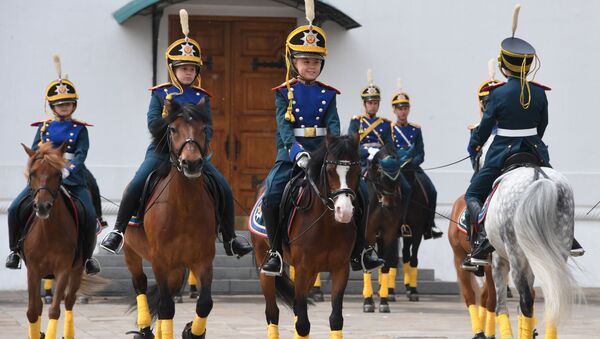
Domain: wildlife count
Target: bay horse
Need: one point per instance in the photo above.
(483, 320)
(320, 239)
(179, 214)
(50, 242)
(529, 221)
(385, 209)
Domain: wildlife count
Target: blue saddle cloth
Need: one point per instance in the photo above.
(256, 223)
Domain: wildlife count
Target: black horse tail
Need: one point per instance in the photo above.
(284, 287)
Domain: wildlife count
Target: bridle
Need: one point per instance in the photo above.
(329, 199)
(53, 193)
(175, 158)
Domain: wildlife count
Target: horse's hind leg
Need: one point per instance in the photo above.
(466, 280)
(54, 310)
(204, 303)
(500, 267)
(166, 305)
(413, 294)
(392, 261)
(34, 306)
(339, 279)
(523, 279)
(490, 304)
(70, 297)
(48, 291)
(140, 285)
(303, 282)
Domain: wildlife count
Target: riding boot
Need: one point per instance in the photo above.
(432, 231)
(481, 246)
(114, 240)
(576, 249)
(13, 261)
(273, 264)
(231, 243)
(363, 257)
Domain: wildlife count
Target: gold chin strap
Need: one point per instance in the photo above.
(289, 116)
(524, 84)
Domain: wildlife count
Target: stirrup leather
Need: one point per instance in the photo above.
(270, 254)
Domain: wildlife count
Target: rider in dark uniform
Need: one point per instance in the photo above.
(408, 138)
(62, 128)
(305, 112)
(183, 59)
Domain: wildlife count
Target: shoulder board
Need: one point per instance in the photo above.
(329, 87)
(544, 87)
(472, 126)
(414, 124)
(160, 86)
(203, 91)
(386, 120)
(37, 123)
(491, 87)
(284, 84)
(82, 123)
(358, 117)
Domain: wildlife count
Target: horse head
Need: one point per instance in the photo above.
(44, 175)
(384, 171)
(337, 163)
(187, 130)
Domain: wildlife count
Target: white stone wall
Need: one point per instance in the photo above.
(439, 49)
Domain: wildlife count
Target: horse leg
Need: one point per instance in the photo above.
(34, 306)
(267, 285)
(193, 282)
(392, 262)
(339, 280)
(166, 305)
(54, 309)
(204, 303)
(302, 284)
(48, 291)
(490, 304)
(465, 281)
(406, 244)
(414, 263)
(523, 279)
(500, 268)
(315, 292)
(368, 304)
(140, 285)
(70, 297)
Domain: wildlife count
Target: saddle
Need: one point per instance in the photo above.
(290, 199)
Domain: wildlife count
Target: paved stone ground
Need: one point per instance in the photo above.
(236, 316)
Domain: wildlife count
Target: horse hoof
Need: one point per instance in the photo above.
(316, 294)
(42, 335)
(368, 305)
(187, 333)
(48, 299)
(84, 299)
(391, 297)
(413, 298)
(178, 299)
(384, 308)
(193, 295)
(492, 337)
(144, 333)
(479, 335)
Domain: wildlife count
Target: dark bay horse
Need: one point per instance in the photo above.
(385, 209)
(321, 238)
(483, 321)
(50, 242)
(180, 214)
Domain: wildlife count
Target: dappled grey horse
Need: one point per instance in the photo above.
(530, 222)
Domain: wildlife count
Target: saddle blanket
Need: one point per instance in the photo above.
(462, 219)
(256, 223)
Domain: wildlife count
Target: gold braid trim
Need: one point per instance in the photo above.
(289, 116)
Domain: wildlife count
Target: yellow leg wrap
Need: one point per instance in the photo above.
(166, 328)
(51, 329)
(143, 312)
(413, 277)
(292, 273)
(272, 331)
(47, 284)
(490, 324)
(551, 331)
(379, 276)
(318, 280)
(504, 324)
(34, 329)
(158, 329)
(405, 269)
(69, 330)
(482, 314)
(525, 327)
(383, 288)
(367, 286)
(392, 277)
(192, 279)
(199, 325)
(336, 335)
(475, 320)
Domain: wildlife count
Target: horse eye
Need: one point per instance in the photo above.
(172, 130)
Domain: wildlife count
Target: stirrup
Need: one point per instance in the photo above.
(467, 266)
(119, 248)
(269, 273)
(406, 231)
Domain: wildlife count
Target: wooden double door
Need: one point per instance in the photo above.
(243, 59)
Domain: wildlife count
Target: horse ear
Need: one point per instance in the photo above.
(356, 137)
(28, 150)
(202, 103)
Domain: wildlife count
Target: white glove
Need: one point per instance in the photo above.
(372, 151)
(302, 159)
(65, 173)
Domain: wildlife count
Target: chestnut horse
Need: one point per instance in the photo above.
(321, 237)
(180, 214)
(50, 242)
(483, 321)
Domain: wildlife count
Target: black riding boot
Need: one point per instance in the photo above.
(91, 265)
(273, 264)
(363, 258)
(576, 249)
(481, 247)
(114, 240)
(231, 243)
(13, 261)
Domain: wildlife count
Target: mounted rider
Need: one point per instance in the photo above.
(62, 97)
(305, 111)
(408, 140)
(519, 110)
(183, 60)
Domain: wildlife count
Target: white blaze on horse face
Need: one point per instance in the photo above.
(343, 203)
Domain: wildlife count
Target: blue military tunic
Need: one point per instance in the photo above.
(373, 131)
(504, 110)
(409, 138)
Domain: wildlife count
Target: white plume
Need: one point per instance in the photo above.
(370, 76)
(399, 84)
(185, 26)
(515, 20)
(309, 9)
(56, 60)
(492, 69)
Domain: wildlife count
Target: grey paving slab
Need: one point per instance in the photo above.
(435, 316)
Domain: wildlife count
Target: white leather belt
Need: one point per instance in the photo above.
(371, 144)
(517, 132)
(69, 156)
(310, 132)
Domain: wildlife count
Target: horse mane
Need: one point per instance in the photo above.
(48, 155)
(343, 146)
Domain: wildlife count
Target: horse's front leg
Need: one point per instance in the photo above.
(70, 297)
(34, 306)
(339, 279)
(54, 310)
(140, 285)
(500, 269)
(204, 303)
(302, 283)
